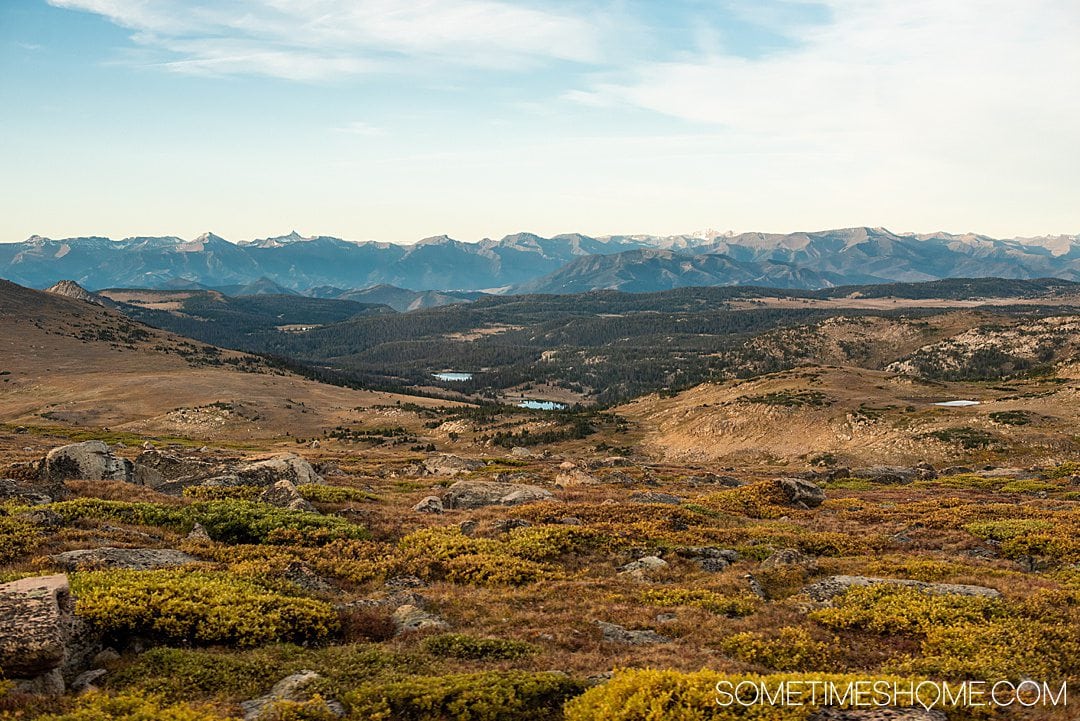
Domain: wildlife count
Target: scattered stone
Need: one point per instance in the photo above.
(284, 494)
(477, 494)
(655, 497)
(23, 492)
(833, 586)
(709, 558)
(520, 452)
(135, 559)
(431, 504)
(404, 582)
(506, 525)
(303, 576)
(87, 461)
(198, 533)
(712, 479)
(282, 467)
(789, 557)
(575, 477)
(800, 493)
(614, 633)
(409, 618)
(613, 461)
(446, 464)
(956, 470)
(570, 521)
(642, 566)
(297, 688)
(33, 626)
(666, 617)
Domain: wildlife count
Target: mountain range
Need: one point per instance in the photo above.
(324, 266)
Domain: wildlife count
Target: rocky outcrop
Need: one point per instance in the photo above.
(88, 461)
(32, 493)
(136, 559)
(446, 464)
(282, 467)
(799, 492)
(299, 687)
(828, 588)
(71, 289)
(477, 494)
(33, 633)
(655, 497)
(430, 504)
(170, 473)
(408, 618)
(709, 558)
(284, 494)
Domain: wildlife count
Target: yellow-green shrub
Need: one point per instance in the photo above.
(18, 537)
(223, 493)
(741, 605)
(789, 649)
(320, 493)
(200, 607)
(544, 543)
(96, 706)
(489, 696)
(757, 500)
(888, 609)
(446, 553)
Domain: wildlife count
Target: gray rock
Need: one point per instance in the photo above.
(50, 683)
(800, 493)
(198, 534)
(477, 494)
(298, 688)
(284, 494)
(85, 681)
(575, 477)
(34, 614)
(430, 504)
(641, 567)
(614, 633)
(136, 559)
(833, 586)
(409, 618)
(887, 475)
(170, 473)
(30, 493)
(789, 557)
(446, 464)
(282, 467)
(303, 576)
(87, 461)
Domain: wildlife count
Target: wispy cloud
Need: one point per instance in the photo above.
(317, 39)
(359, 127)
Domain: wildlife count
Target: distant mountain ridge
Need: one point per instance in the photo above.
(525, 262)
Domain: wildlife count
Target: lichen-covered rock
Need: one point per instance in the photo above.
(408, 618)
(88, 461)
(833, 586)
(282, 467)
(431, 504)
(284, 494)
(446, 464)
(35, 494)
(169, 473)
(298, 688)
(655, 497)
(33, 625)
(477, 494)
(136, 559)
(800, 493)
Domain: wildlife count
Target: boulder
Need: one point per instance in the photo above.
(641, 568)
(284, 494)
(86, 681)
(614, 633)
(136, 559)
(282, 467)
(34, 626)
(477, 494)
(709, 558)
(169, 473)
(789, 557)
(446, 464)
(413, 618)
(87, 461)
(828, 588)
(430, 504)
(800, 493)
(300, 687)
(575, 477)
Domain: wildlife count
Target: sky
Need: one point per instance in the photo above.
(401, 119)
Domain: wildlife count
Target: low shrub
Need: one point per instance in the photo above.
(757, 500)
(320, 493)
(199, 607)
(741, 605)
(488, 696)
(545, 543)
(223, 493)
(443, 553)
(888, 609)
(18, 537)
(96, 706)
(789, 649)
(459, 645)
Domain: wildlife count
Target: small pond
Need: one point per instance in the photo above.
(453, 376)
(542, 405)
(957, 404)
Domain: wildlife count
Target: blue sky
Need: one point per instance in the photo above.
(400, 119)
